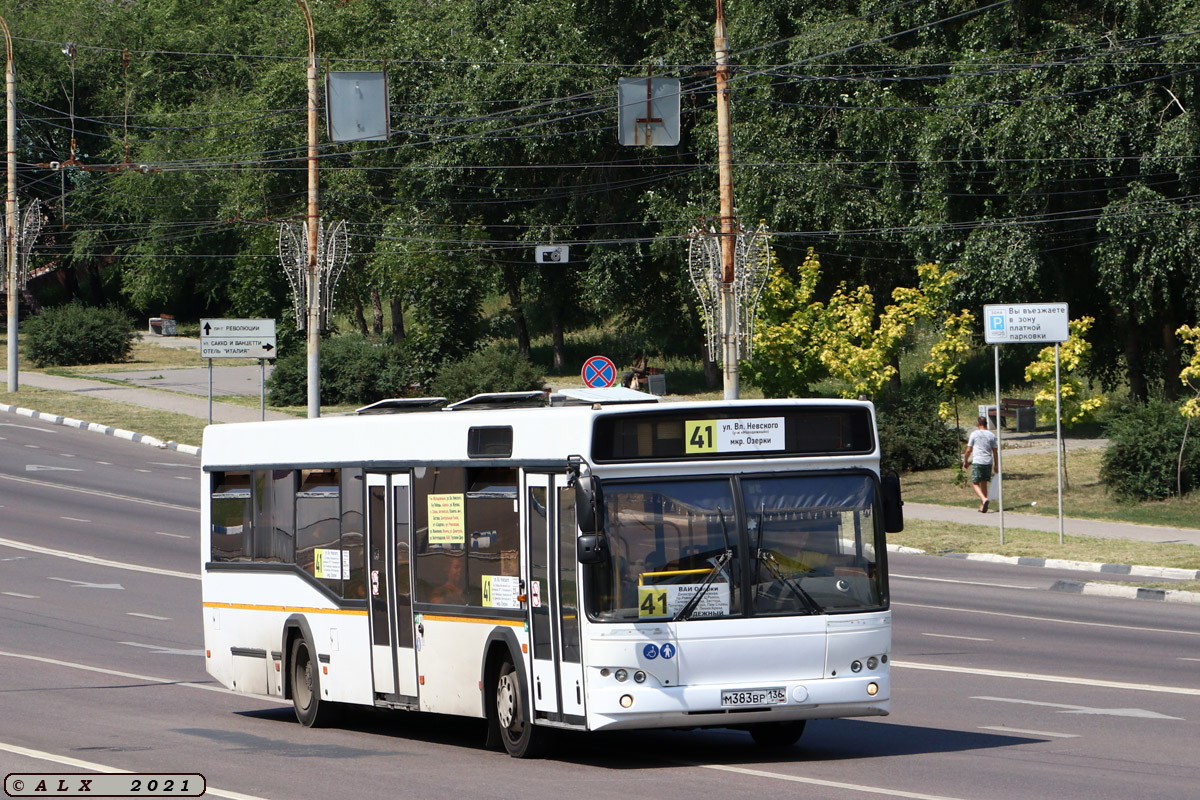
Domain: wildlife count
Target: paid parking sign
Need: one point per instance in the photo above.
(237, 338)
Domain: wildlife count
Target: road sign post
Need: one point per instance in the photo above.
(238, 338)
(1028, 323)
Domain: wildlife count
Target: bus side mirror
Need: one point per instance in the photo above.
(893, 505)
(592, 548)
(587, 504)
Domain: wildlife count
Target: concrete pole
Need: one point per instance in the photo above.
(11, 234)
(313, 305)
(728, 311)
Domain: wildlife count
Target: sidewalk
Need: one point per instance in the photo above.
(1038, 522)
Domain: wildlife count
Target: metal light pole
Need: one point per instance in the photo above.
(313, 307)
(728, 304)
(10, 207)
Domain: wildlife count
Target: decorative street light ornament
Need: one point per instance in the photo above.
(332, 251)
(751, 264)
(29, 227)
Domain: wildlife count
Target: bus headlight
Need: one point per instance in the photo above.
(622, 676)
(856, 666)
(639, 677)
(872, 662)
(872, 689)
(626, 700)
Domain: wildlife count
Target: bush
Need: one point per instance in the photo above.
(1142, 457)
(76, 334)
(354, 371)
(499, 367)
(912, 436)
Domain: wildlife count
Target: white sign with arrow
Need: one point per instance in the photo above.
(237, 338)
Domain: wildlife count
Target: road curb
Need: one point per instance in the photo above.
(107, 430)
(1125, 592)
(1172, 573)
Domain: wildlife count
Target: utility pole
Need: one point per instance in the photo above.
(10, 207)
(313, 306)
(728, 309)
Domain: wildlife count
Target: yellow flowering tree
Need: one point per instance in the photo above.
(785, 363)
(860, 353)
(947, 356)
(1076, 405)
(1190, 376)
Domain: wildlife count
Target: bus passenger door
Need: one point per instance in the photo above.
(393, 658)
(540, 586)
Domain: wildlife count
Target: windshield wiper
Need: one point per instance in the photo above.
(722, 560)
(768, 558)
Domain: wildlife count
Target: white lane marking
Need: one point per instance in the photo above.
(96, 493)
(1142, 628)
(87, 585)
(27, 427)
(103, 562)
(1003, 729)
(67, 455)
(141, 470)
(853, 787)
(44, 468)
(22, 596)
(1033, 676)
(1139, 713)
(166, 651)
(948, 636)
(146, 616)
(145, 678)
(105, 463)
(74, 519)
(33, 447)
(183, 477)
(173, 535)
(967, 583)
(67, 761)
(1185, 658)
(173, 464)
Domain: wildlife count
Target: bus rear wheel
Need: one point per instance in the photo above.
(306, 685)
(521, 738)
(776, 734)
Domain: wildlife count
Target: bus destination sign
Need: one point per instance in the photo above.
(733, 435)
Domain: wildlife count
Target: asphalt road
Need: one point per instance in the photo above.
(1001, 688)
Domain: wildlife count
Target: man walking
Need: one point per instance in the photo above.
(981, 454)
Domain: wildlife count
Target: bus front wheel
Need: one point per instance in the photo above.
(522, 739)
(306, 685)
(776, 734)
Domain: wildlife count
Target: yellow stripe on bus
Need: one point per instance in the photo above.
(516, 623)
(290, 609)
(703, 571)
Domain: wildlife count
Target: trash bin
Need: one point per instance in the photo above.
(1026, 419)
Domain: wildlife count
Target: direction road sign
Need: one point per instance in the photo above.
(1025, 323)
(237, 338)
(599, 372)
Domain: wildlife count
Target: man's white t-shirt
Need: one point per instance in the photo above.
(981, 443)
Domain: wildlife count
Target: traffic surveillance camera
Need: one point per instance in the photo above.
(54, 165)
(552, 255)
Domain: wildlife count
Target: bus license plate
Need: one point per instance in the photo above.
(773, 696)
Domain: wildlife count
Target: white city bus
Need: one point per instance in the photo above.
(582, 564)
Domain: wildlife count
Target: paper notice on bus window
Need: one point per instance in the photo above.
(328, 564)
(446, 519)
(501, 591)
(666, 600)
(748, 435)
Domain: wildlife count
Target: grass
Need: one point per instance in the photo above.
(163, 425)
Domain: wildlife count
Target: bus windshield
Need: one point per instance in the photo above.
(796, 543)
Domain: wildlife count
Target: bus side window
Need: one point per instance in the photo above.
(318, 527)
(232, 523)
